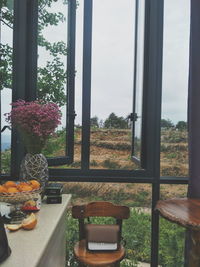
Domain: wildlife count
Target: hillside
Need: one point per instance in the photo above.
(111, 149)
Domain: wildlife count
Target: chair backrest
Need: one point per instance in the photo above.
(99, 209)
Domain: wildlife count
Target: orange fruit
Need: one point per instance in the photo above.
(12, 190)
(20, 185)
(34, 184)
(3, 189)
(13, 227)
(30, 222)
(10, 184)
(26, 188)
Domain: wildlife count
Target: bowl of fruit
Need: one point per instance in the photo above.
(19, 192)
(21, 195)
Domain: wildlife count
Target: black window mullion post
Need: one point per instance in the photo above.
(0, 101)
(24, 67)
(134, 76)
(71, 79)
(154, 107)
(32, 51)
(86, 100)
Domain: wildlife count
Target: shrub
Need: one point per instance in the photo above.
(110, 164)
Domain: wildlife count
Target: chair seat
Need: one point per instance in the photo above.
(97, 258)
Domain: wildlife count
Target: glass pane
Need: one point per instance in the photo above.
(172, 236)
(112, 84)
(174, 141)
(136, 230)
(138, 79)
(52, 52)
(6, 44)
(78, 87)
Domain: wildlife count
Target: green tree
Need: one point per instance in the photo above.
(94, 122)
(52, 76)
(181, 125)
(113, 121)
(166, 124)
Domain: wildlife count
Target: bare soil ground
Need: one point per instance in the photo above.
(111, 149)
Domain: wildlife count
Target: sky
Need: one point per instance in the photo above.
(112, 57)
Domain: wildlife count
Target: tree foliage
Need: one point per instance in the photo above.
(51, 77)
(181, 125)
(166, 123)
(94, 122)
(113, 121)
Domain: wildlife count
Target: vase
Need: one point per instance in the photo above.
(35, 166)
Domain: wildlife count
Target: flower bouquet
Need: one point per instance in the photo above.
(36, 122)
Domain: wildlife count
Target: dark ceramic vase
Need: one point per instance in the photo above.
(4, 247)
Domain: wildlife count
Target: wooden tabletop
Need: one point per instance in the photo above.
(183, 211)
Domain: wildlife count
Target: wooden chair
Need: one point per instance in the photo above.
(98, 209)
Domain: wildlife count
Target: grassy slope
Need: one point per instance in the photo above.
(111, 149)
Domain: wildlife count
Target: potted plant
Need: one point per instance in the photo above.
(36, 121)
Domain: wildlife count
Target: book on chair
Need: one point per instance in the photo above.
(102, 237)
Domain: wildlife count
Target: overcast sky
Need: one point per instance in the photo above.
(112, 57)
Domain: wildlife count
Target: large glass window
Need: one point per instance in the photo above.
(112, 84)
(125, 83)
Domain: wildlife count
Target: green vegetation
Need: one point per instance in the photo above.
(166, 124)
(113, 121)
(51, 77)
(181, 125)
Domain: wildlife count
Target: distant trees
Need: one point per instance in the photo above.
(94, 122)
(113, 121)
(118, 122)
(181, 125)
(166, 123)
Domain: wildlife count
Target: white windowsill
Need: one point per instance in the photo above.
(44, 245)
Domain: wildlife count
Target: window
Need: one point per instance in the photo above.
(144, 77)
(56, 72)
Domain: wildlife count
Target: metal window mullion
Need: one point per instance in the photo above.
(154, 97)
(0, 102)
(19, 74)
(71, 42)
(32, 51)
(146, 157)
(24, 67)
(135, 75)
(86, 100)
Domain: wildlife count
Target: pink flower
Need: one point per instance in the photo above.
(34, 118)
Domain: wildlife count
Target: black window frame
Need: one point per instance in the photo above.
(24, 82)
(151, 102)
(140, 161)
(70, 89)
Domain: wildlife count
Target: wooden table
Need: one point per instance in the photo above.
(185, 212)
